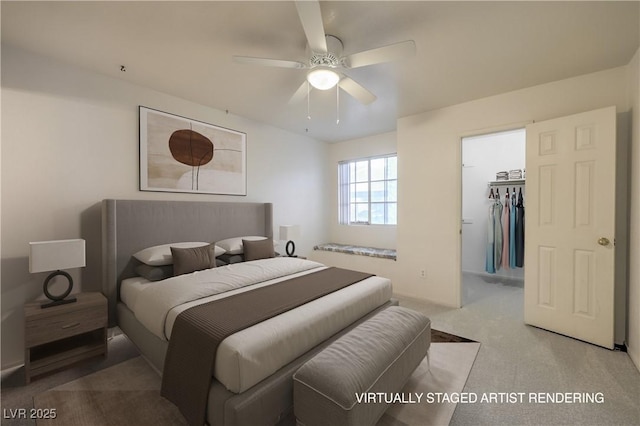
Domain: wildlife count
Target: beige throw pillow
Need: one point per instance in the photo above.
(186, 260)
(260, 249)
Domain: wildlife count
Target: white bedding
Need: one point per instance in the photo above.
(253, 354)
(131, 288)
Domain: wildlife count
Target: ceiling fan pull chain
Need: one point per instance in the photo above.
(337, 104)
(308, 101)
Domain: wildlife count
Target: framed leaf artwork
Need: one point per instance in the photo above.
(178, 154)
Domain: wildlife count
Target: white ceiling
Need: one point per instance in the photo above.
(465, 51)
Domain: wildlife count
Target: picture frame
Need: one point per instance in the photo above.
(179, 154)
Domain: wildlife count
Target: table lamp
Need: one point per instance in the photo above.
(45, 256)
(288, 233)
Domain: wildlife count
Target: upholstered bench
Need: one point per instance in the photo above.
(377, 356)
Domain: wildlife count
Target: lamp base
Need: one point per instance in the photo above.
(57, 299)
(290, 248)
(58, 302)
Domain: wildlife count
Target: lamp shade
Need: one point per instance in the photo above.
(288, 232)
(54, 255)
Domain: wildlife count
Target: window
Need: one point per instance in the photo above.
(368, 191)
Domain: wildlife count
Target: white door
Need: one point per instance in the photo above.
(569, 226)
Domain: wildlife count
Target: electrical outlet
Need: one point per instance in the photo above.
(423, 273)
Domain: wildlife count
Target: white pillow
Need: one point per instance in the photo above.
(161, 255)
(234, 245)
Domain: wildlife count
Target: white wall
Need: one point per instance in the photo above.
(382, 236)
(633, 303)
(429, 161)
(482, 157)
(70, 139)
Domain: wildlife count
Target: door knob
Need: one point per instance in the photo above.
(603, 241)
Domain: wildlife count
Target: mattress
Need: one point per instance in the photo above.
(251, 355)
(131, 288)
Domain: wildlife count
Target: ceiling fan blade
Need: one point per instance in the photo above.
(389, 53)
(357, 91)
(301, 93)
(311, 18)
(269, 62)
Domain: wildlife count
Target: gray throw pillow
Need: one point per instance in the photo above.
(154, 273)
(186, 260)
(260, 249)
(230, 258)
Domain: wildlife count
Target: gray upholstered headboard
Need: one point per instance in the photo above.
(131, 225)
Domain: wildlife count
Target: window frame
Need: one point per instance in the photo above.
(345, 204)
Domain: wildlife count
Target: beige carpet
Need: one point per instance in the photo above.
(128, 393)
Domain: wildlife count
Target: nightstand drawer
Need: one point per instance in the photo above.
(66, 324)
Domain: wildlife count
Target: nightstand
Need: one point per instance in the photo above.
(59, 336)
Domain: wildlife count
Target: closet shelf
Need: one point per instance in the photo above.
(507, 182)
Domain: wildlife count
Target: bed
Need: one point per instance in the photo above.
(252, 382)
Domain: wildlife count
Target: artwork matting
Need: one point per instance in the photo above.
(178, 154)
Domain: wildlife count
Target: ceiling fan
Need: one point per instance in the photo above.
(326, 64)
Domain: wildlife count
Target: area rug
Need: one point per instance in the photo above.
(438, 336)
(125, 394)
(444, 372)
(128, 393)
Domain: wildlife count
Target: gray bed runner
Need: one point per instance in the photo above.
(198, 331)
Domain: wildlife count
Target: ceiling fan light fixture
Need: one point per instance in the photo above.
(323, 78)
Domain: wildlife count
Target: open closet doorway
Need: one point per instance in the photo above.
(493, 168)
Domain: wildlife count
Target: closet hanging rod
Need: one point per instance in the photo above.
(510, 182)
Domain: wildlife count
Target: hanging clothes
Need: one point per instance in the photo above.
(506, 216)
(520, 231)
(489, 265)
(497, 234)
(512, 231)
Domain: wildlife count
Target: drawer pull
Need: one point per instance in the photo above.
(75, 324)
